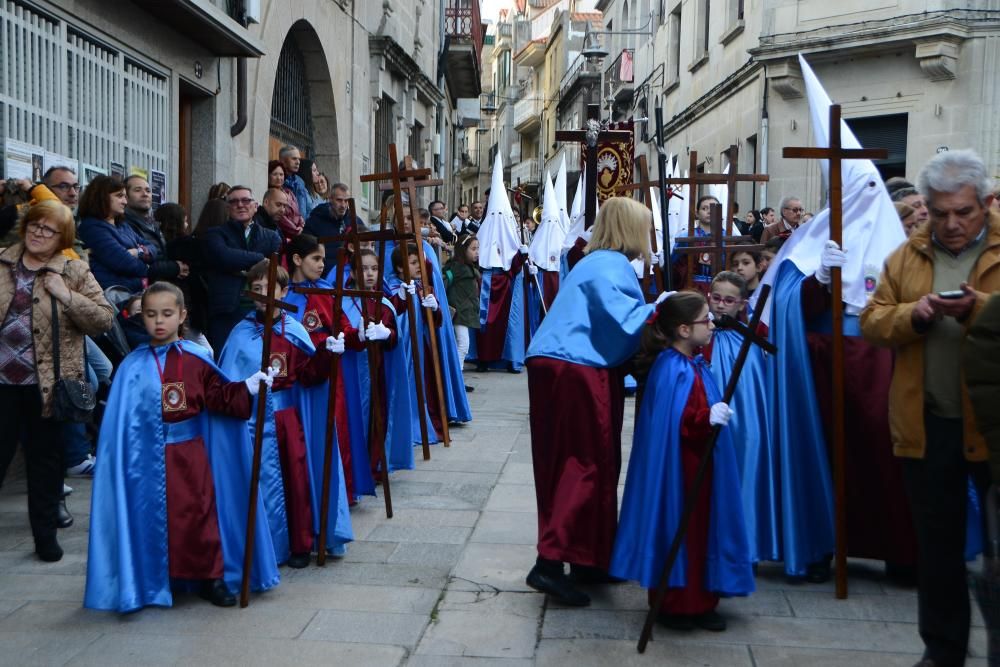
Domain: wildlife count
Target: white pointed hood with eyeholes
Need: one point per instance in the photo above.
(498, 238)
(871, 227)
(546, 244)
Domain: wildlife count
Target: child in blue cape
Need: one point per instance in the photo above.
(169, 504)
(680, 408)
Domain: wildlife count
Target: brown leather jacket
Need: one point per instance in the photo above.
(886, 320)
(88, 313)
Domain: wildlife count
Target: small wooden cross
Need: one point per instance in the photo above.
(644, 184)
(591, 137)
(717, 245)
(836, 153)
(270, 304)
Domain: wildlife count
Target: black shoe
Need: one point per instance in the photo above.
(298, 561)
(558, 586)
(48, 549)
(216, 592)
(583, 574)
(64, 518)
(469, 390)
(676, 621)
(511, 369)
(711, 621)
(904, 576)
(818, 573)
(482, 368)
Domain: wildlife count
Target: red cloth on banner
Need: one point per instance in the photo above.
(695, 433)
(490, 339)
(194, 547)
(614, 162)
(576, 454)
(879, 524)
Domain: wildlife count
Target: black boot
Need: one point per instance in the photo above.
(548, 577)
(48, 549)
(819, 572)
(216, 592)
(585, 574)
(298, 561)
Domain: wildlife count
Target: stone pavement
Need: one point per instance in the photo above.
(440, 584)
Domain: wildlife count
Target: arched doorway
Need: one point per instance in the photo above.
(303, 111)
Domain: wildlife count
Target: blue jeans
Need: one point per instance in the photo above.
(76, 446)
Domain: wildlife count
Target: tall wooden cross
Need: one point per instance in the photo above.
(694, 179)
(715, 247)
(836, 153)
(644, 185)
(405, 180)
(591, 137)
(270, 305)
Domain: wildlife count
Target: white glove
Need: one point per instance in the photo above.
(638, 266)
(832, 256)
(406, 289)
(523, 249)
(532, 269)
(664, 296)
(429, 301)
(720, 414)
(335, 345)
(585, 235)
(377, 331)
(253, 382)
(659, 258)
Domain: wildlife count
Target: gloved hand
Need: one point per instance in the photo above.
(832, 256)
(335, 345)
(720, 414)
(585, 235)
(253, 382)
(664, 296)
(429, 301)
(532, 269)
(638, 266)
(377, 331)
(658, 258)
(406, 290)
(523, 249)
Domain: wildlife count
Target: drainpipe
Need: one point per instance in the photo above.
(763, 142)
(241, 92)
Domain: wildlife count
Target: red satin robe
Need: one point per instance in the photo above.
(430, 381)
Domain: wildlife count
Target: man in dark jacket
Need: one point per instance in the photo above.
(138, 216)
(233, 248)
(982, 377)
(274, 205)
(331, 219)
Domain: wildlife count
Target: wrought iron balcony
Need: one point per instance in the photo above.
(464, 30)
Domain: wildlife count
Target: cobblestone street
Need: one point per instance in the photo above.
(440, 584)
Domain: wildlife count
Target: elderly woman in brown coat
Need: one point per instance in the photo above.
(33, 273)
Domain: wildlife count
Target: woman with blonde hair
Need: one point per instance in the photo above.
(593, 328)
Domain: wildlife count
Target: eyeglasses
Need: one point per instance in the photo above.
(727, 300)
(64, 187)
(40, 230)
(243, 201)
(794, 210)
(710, 318)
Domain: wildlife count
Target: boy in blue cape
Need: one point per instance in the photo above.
(295, 431)
(169, 502)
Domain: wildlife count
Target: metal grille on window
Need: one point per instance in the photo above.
(383, 137)
(291, 118)
(416, 147)
(71, 95)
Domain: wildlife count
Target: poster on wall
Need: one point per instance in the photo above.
(158, 184)
(51, 159)
(89, 172)
(21, 160)
(117, 169)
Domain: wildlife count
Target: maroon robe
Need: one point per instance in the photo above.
(576, 415)
(879, 525)
(490, 339)
(194, 547)
(550, 287)
(695, 434)
(575, 253)
(298, 367)
(430, 379)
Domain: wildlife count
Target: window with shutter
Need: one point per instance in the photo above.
(887, 132)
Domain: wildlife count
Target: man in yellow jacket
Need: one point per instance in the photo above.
(930, 291)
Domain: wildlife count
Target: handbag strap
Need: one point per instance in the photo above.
(55, 338)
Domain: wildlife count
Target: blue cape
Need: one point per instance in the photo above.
(654, 489)
(535, 312)
(806, 489)
(513, 343)
(456, 402)
(241, 357)
(127, 562)
(750, 428)
(398, 437)
(598, 315)
(364, 483)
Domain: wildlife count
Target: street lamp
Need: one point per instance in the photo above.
(595, 53)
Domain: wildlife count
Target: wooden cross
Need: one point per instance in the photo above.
(693, 493)
(591, 137)
(716, 244)
(644, 185)
(836, 153)
(270, 305)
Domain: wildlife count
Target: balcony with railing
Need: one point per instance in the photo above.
(621, 75)
(527, 110)
(464, 30)
(526, 172)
